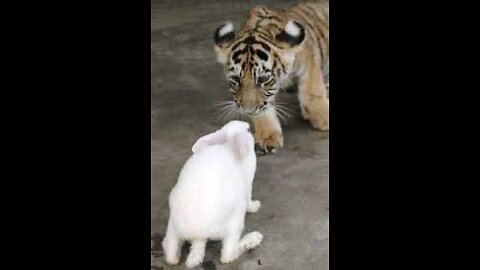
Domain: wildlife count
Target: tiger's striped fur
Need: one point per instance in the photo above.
(272, 48)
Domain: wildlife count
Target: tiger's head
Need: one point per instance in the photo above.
(258, 60)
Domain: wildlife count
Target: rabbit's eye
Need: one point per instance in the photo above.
(248, 129)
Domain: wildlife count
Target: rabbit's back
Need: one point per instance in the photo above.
(210, 189)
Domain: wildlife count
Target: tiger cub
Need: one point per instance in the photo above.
(272, 48)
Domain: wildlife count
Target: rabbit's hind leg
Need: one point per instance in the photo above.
(233, 247)
(250, 241)
(197, 253)
(172, 246)
(230, 242)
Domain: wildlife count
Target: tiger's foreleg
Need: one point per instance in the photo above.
(268, 131)
(312, 94)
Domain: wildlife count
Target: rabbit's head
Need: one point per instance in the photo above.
(236, 133)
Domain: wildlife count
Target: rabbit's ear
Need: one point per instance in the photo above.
(241, 143)
(217, 137)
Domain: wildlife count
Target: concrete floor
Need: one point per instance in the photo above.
(292, 185)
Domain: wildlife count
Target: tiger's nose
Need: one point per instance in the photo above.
(244, 108)
(252, 109)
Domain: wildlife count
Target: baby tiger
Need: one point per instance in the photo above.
(272, 48)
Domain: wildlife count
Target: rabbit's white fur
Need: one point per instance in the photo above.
(212, 195)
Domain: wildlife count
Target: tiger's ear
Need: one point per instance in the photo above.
(292, 35)
(223, 37)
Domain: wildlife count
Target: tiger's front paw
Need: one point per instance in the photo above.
(268, 142)
(320, 122)
(317, 113)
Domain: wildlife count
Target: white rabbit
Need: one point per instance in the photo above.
(212, 195)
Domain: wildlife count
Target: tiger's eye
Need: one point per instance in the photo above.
(263, 79)
(235, 79)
